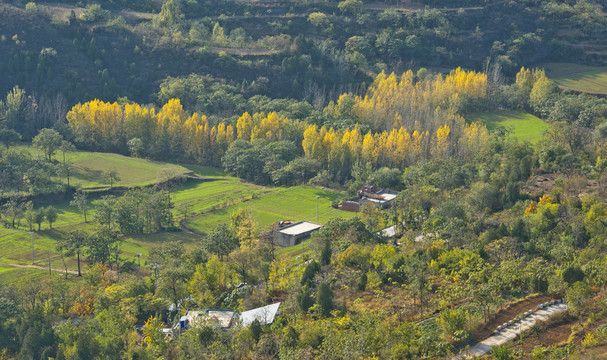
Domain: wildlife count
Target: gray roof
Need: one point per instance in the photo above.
(265, 315)
(299, 228)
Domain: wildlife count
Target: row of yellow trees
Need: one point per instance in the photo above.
(413, 120)
(419, 104)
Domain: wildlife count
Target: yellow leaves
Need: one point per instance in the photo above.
(393, 102)
(382, 255)
(442, 144)
(152, 331)
(310, 141)
(532, 208)
(546, 199)
(110, 126)
(544, 204)
(285, 275)
(243, 126)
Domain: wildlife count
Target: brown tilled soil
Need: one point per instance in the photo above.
(508, 313)
(557, 331)
(544, 183)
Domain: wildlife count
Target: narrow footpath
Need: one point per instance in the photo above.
(40, 267)
(511, 331)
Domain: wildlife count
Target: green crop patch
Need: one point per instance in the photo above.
(580, 78)
(90, 168)
(520, 125)
(270, 205)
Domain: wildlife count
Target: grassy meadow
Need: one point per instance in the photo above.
(199, 205)
(581, 78)
(89, 168)
(521, 125)
(268, 205)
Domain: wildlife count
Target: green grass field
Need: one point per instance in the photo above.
(522, 126)
(271, 205)
(582, 78)
(89, 168)
(208, 203)
(9, 274)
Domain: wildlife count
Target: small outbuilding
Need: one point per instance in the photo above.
(380, 198)
(293, 233)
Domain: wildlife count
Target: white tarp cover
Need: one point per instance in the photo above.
(265, 315)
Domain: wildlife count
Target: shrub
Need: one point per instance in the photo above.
(94, 13)
(31, 7)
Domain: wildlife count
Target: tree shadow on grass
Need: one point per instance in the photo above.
(89, 175)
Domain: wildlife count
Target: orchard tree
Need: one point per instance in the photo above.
(220, 241)
(49, 141)
(14, 208)
(51, 214)
(67, 166)
(73, 243)
(105, 212)
(111, 176)
(102, 245)
(39, 217)
(81, 203)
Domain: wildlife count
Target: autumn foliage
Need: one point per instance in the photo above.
(412, 119)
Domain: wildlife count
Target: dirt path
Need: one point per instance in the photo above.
(415, 7)
(73, 272)
(511, 332)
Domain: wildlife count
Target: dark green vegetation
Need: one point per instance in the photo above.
(312, 50)
(238, 114)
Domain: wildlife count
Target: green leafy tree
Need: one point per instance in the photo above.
(94, 12)
(579, 298)
(13, 109)
(101, 245)
(30, 217)
(241, 261)
(220, 241)
(170, 16)
(81, 203)
(319, 20)
(304, 299)
(135, 147)
(324, 298)
(73, 244)
(104, 211)
(39, 217)
(51, 214)
(111, 176)
(308, 276)
(350, 7)
(9, 137)
(48, 140)
(14, 208)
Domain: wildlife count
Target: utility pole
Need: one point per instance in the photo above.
(156, 270)
(317, 197)
(32, 234)
(139, 262)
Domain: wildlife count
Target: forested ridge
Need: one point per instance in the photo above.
(254, 110)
